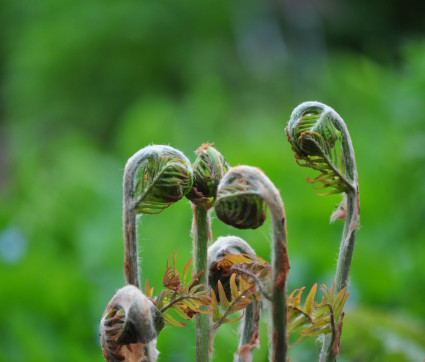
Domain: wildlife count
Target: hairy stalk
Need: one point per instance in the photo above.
(154, 178)
(201, 233)
(208, 169)
(231, 245)
(321, 141)
(241, 198)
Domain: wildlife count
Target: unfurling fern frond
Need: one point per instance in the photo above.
(320, 140)
(154, 178)
(163, 176)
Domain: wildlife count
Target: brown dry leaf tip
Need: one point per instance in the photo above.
(204, 147)
(341, 212)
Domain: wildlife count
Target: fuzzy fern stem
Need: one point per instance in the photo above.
(201, 233)
(242, 193)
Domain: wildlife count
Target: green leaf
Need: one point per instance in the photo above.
(222, 294)
(186, 269)
(308, 305)
(171, 321)
(233, 288)
(216, 310)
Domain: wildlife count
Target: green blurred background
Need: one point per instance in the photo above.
(85, 84)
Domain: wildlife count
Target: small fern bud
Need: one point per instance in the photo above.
(129, 327)
(239, 204)
(208, 169)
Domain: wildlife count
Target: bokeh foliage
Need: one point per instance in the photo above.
(84, 85)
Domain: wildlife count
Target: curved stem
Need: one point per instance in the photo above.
(280, 263)
(255, 179)
(201, 233)
(323, 114)
(131, 257)
(329, 352)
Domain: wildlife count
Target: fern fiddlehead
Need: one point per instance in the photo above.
(129, 327)
(241, 198)
(320, 140)
(208, 169)
(154, 178)
(232, 245)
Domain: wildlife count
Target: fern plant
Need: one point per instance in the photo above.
(320, 140)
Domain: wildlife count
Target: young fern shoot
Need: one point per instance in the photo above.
(242, 197)
(320, 140)
(154, 178)
(225, 246)
(208, 169)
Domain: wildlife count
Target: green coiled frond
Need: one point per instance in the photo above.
(162, 175)
(320, 140)
(240, 205)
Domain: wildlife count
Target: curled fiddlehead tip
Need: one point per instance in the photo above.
(239, 201)
(155, 177)
(130, 324)
(320, 140)
(208, 169)
(225, 245)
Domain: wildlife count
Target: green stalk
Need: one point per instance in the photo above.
(201, 233)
